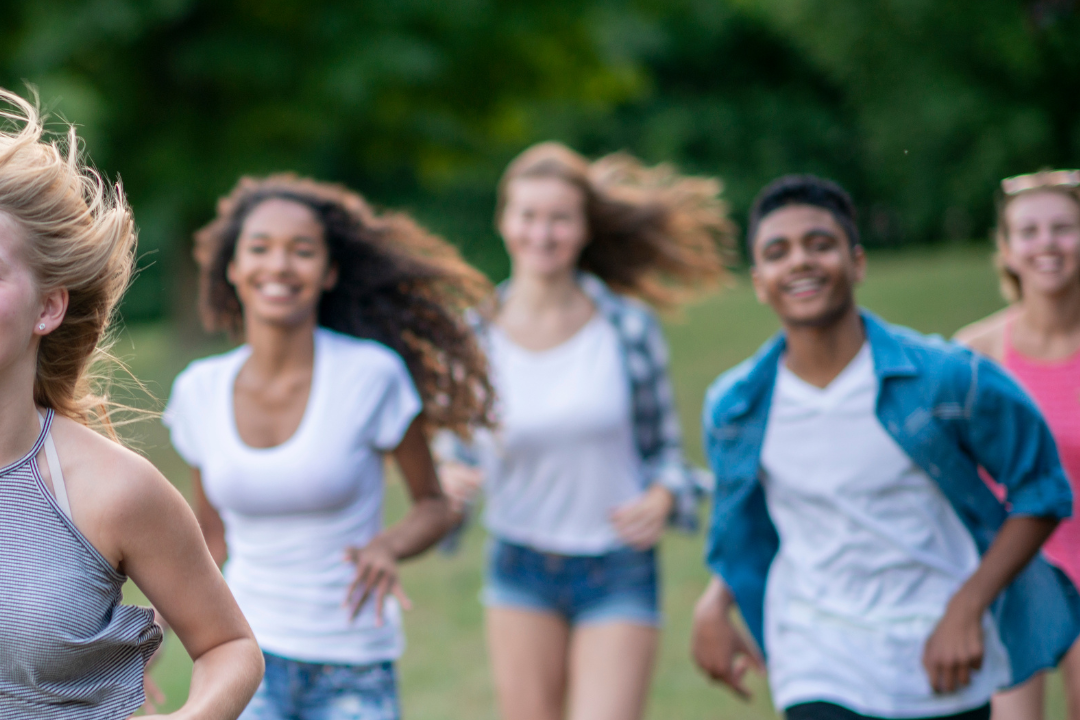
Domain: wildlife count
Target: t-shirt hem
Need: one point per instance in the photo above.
(555, 547)
(323, 658)
(785, 700)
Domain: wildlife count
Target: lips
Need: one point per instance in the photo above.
(1048, 263)
(804, 287)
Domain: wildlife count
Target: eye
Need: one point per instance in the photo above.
(774, 252)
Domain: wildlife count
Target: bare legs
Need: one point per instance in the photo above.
(1027, 702)
(544, 670)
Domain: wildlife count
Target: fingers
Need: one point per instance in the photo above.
(374, 580)
(639, 524)
(461, 483)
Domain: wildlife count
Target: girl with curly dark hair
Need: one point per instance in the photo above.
(353, 347)
(586, 466)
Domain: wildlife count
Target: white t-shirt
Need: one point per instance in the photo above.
(290, 511)
(563, 457)
(870, 553)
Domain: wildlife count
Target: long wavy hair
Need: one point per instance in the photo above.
(397, 284)
(78, 235)
(653, 233)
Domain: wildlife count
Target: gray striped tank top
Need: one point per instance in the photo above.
(68, 648)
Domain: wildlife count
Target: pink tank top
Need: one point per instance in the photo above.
(1055, 387)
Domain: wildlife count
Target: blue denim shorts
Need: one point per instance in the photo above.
(620, 586)
(295, 690)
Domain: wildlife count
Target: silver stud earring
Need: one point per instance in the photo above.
(41, 326)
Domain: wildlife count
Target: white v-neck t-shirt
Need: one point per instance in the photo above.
(563, 457)
(870, 553)
(290, 511)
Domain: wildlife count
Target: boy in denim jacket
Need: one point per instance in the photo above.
(877, 572)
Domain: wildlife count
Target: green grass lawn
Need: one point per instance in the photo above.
(444, 673)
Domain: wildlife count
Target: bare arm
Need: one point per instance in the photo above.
(163, 552)
(213, 529)
(721, 649)
(956, 646)
(427, 521)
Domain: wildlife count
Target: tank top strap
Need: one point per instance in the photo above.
(53, 461)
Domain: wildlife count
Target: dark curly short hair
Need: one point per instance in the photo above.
(804, 190)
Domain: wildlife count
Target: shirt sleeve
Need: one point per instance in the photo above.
(398, 406)
(179, 417)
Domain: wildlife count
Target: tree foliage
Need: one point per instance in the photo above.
(919, 107)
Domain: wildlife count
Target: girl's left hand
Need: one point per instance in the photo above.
(376, 575)
(641, 522)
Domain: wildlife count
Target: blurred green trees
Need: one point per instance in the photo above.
(919, 107)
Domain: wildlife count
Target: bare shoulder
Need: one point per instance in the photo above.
(986, 336)
(114, 491)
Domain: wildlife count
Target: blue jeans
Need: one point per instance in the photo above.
(619, 586)
(294, 690)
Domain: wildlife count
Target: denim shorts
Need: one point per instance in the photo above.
(620, 586)
(294, 690)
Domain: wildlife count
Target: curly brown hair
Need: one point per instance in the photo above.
(653, 233)
(398, 284)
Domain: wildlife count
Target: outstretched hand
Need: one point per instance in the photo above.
(376, 577)
(721, 650)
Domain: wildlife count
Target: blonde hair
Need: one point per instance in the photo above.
(653, 233)
(1008, 281)
(78, 235)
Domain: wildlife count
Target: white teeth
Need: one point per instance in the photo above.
(1047, 263)
(801, 286)
(275, 290)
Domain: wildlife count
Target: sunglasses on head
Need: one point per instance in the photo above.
(1042, 179)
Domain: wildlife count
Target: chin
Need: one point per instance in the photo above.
(819, 317)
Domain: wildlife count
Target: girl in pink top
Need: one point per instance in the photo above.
(1038, 339)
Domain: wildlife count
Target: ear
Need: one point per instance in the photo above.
(331, 279)
(54, 305)
(759, 286)
(858, 260)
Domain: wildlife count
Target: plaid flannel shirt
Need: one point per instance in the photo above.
(657, 433)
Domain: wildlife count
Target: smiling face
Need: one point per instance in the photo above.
(281, 265)
(804, 266)
(544, 225)
(1043, 244)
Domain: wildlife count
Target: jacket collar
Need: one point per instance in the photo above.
(891, 359)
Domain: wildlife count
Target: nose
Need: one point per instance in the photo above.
(540, 231)
(280, 260)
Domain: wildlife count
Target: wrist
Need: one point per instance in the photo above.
(663, 496)
(967, 603)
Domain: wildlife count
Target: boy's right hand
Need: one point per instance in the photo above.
(461, 483)
(720, 648)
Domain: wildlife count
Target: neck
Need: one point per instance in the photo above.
(818, 353)
(1051, 317)
(537, 294)
(278, 349)
(19, 424)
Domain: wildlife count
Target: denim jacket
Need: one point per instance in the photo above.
(657, 433)
(952, 411)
